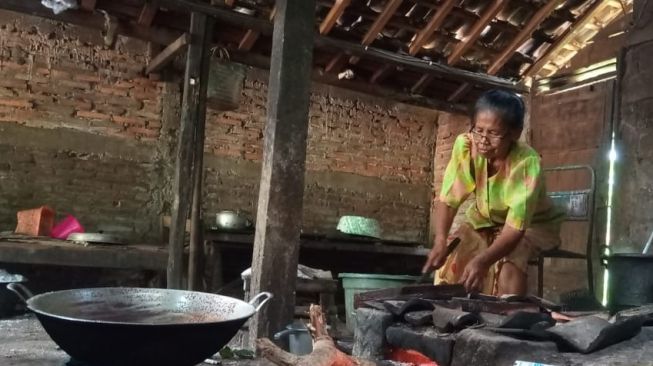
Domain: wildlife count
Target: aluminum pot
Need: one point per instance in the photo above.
(232, 220)
(9, 302)
(139, 326)
(630, 280)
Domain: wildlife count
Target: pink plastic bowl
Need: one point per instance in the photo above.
(65, 227)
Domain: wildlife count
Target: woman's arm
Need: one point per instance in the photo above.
(444, 216)
(478, 267)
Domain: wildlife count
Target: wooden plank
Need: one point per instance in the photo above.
(384, 17)
(184, 160)
(434, 24)
(168, 54)
(279, 214)
(196, 251)
(251, 36)
(334, 13)
(466, 43)
(567, 36)
(148, 12)
(88, 5)
(62, 253)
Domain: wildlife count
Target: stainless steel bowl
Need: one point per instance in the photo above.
(232, 220)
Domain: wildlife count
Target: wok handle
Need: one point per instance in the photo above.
(21, 290)
(266, 296)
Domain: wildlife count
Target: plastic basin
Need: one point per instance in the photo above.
(354, 283)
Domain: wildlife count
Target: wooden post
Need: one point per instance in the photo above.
(195, 255)
(190, 113)
(279, 216)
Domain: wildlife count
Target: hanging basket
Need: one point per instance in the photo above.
(226, 81)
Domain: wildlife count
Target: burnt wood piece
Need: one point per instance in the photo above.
(190, 115)
(168, 54)
(427, 292)
(450, 320)
(399, 308)
(419, 318)
(279, 215)
(496, 307)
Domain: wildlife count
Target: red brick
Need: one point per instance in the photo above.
(91, 78)
(112, 90)
(92, 115)
(143, 131)
(59, 74)
(129, 120)
(83, 85)
(16, 102)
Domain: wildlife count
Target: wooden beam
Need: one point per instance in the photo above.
(505, 55)
(251, 36)
(416, 64)
(434, 23)
(196, 250)
(467, 42)
(334, 13)
(230, 3)
(94, 20)
(567, 36)
(263, 62)
(526, 32)
(337, 62)
(384, 17)
(380, 74)
(190, 115)
(168, 54)
(279, 213)
(148, 12)
(470, 38)
(88, 5)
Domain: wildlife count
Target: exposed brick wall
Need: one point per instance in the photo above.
(365, 156)
(79, 127)
(569, 128)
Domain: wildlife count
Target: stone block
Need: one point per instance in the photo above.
(369, 334)
(480, 347)
(426, 340)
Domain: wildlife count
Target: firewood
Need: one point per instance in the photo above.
(324, 352)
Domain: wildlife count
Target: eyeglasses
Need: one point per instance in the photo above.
(491, 136)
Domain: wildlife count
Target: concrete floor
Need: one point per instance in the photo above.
(23, 342)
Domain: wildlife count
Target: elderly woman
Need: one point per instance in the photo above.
(511, 217)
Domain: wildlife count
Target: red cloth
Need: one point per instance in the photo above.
(410, 356)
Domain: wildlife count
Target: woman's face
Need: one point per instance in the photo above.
(492, 137)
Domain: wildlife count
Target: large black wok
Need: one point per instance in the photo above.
(139, 326)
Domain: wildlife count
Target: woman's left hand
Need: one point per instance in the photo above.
(474, 273)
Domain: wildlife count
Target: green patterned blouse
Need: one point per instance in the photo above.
(515, 195)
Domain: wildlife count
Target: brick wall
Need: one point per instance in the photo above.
(365, 156)
(570, 128)
(79, 127)
(85, 113)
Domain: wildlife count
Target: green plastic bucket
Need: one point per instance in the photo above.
(354, 283)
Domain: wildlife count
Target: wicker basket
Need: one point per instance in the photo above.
(225, 87)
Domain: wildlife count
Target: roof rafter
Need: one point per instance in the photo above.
(423, 36)
(150, 8)
(467, 42)
(332, 17)
(496, 65)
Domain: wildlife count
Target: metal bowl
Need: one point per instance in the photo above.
(232, 220)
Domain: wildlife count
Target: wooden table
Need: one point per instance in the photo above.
(41, 250)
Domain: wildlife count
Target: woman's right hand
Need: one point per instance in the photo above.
(436, 257)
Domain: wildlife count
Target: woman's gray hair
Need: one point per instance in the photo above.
(508, 106)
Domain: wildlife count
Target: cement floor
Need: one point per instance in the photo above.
(23, 342)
